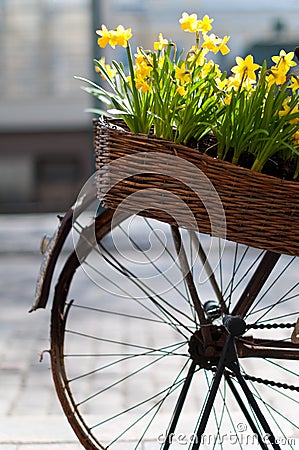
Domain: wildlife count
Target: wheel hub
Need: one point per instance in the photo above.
(207, 356)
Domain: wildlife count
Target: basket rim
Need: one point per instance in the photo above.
(113, 125)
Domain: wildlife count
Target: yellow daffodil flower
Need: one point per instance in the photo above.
(276, 76)
(103, 41)
(204, 25)
(197, 55)
(142, 85)
(162, 43)
(182, 74)
(119, 36)
(215, 44)
(228, 99)
(222, 84)
(143, 71)
(287, 110)
(209, 66)
(238, 81)
(245, 68)
(211, 43)
(295, 138)
(142, 58)
(181, 90)
(223, 48)
(111, 72)
(295, 83)
(143, 64)
(189, 22)
(284, 61)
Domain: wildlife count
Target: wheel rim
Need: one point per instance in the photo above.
(119, 366)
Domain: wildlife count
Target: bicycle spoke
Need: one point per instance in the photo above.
(128, 357)
(148, 291)
(244, 275)
(175, 385)
(190, 282)
(162, 309)
(145, 366)
(111, 341)
(121, 348)
(277, 278)
(271, 409)
(162, 273)
(256, 283)
(119, 314)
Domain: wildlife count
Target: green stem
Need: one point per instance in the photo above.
(235, 159)
(197, 39)
(134, 90)
(258, 165)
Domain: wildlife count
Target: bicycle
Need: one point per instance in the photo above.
(192, 340)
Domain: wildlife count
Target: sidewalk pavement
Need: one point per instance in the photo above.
(31, 417)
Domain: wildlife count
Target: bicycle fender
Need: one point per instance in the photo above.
(53, 247)
(50, 257)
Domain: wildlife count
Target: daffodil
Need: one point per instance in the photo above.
(182, 74)
(295, 83)
(120, 36)
(143, 58)
(284, 61)
(245, 68)
(142, 84)
(227, 99)
(210, 65)
(143, 71)
(105, 34)
(222, 83)
(204, 25)
(143, 64)
(189, 22)
(162, 43)
(276, 76)
(211, 43)
(215, 44)
(181, 90)
(288, 110)
(110, 72)
(223, 48)
(255, 109)
(197, 55)
(239, 82)
(295, 138)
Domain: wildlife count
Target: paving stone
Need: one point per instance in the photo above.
(8, 447)
(52, 446)
(30, 414)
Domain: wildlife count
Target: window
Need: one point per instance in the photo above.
(43, 44)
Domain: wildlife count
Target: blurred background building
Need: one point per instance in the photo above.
(45, 135)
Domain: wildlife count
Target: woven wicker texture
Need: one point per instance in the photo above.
(260, 210)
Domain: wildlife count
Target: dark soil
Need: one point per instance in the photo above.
(276, 166)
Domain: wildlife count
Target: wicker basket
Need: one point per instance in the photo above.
(228, 201)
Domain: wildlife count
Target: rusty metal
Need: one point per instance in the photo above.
(256, 283)
(53, 246)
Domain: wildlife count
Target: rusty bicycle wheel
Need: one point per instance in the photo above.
(137, 334)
